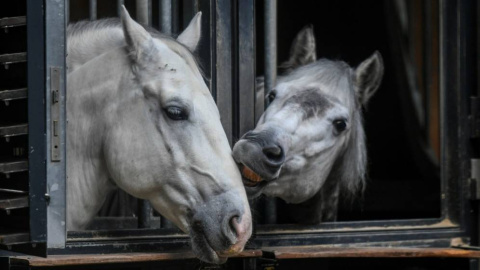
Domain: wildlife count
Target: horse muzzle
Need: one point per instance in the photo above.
(220, 228)
(260, 158)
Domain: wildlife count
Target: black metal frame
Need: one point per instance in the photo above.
(229, 44)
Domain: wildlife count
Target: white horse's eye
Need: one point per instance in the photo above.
(176, 113)
(271, 96)
(340, 125)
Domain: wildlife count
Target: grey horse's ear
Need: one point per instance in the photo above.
(139, 41)
(368, 76)
(191, 35)
(303, 50)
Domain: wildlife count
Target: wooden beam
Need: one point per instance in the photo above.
(90, 259)
(370, 252)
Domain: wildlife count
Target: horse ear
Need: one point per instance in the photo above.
(368, 76)
(139, 41)
(303, 50)
(191, 35)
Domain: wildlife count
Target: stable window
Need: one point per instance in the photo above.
(420, 138)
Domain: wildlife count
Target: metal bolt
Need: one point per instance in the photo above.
(7, 102)
(6, 66)
(7, 139)
(7, 175)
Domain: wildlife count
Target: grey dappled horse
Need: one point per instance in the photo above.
(310, 144)
(141, 118)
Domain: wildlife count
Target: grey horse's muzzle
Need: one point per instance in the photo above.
(260, 156)
(220, 228)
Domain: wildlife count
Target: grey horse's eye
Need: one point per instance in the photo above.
(340, 125)
(176, 113)
(271, 96)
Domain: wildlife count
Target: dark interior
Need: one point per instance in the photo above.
(397, 187)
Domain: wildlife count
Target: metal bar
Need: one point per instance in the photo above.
(93, 9)
(246, 85)
(119, 5)
(67, 12)
(142, 7)
(188, 9)
(20, 93)
(10, 58)
(150, 13)
(270, 45)
(270, 42)
(13, 166)
(55, 97)
(15, 130)
(36, 119)
(224, 65)
(144, 214)
(207, 50)
(165, 22)
(166, 16)
(427, 46)
(12, 21)
(15, 202)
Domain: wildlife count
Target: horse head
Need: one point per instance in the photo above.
(146, 121)
(312, 128)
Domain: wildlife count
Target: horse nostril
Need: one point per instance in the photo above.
(234, 224)
(273, 153)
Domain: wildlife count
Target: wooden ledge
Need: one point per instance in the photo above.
(89, 259)
(370, 252)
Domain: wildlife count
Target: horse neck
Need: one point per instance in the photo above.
(89, 92)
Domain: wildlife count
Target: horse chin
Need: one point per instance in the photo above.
(202, 249)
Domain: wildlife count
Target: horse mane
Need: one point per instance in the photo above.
(350, 169)
(89, 39)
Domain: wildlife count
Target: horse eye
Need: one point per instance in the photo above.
(340, 125)
(271, 96)
(176, 113)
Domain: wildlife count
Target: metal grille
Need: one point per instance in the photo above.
(14, 189)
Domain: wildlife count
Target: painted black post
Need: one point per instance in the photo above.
(36, 120)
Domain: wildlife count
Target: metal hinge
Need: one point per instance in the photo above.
(55, 78)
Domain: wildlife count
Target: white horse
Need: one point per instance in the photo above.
(141, 118)
(310, 142)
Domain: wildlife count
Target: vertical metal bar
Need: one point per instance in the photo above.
(166, 16)
(188, 9)
(92, 9)
(67, 11)
(427, 46)
(119, 5)
(142, 11)
(55, 81)
(150, 13)
(144, 214)
(270, 80)
(36, 120)
(176, 24)
(246, 71)
(208, 47)
(270, 45)
(224, 65)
